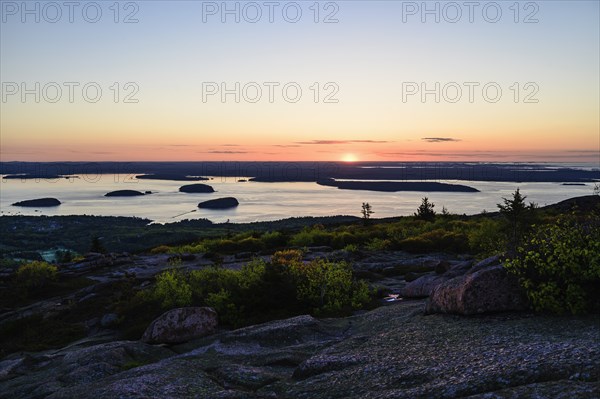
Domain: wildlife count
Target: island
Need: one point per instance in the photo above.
(124, 193)
(196, 188)
(38, 203)
(219, 203)
(389, 186)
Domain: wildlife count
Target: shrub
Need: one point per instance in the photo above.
(212, 280)
(161, 249)
(436, 240)
(273, 239)
(486, 239)
(172, 290)
(559, 266)
(287, 257)
(174, 262)
(327, 287)
(36, 274)
(250, 244)
(223, 303)
(252, 273)
(278, 282)
(343, 239)
(378, 244)
(222, 245)
(187, 249)
(302, 239)
(260, 291)
(352, 248)
(238, 243)
(311, 237)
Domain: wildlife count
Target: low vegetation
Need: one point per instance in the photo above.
(559, 265)
(36, 275)
(283, 287)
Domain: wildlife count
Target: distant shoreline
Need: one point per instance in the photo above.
(310, 171)
(387, 186)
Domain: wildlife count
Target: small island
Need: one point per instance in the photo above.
(196, 188)
(38, 203)
(124, 193)
(390, 186)
(219, 203)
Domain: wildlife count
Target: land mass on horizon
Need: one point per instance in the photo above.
(309, 171)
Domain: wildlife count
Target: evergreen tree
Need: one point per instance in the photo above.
(425, 210)
(519, 217)
(366, 211)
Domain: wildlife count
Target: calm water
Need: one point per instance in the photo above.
(258, 201)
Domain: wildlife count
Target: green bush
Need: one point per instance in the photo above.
(314, 236)
(183, 249)
(327, 287)
(343, 239)
(36, 274)
(559, 266)
(172, 290)
(352, 248)
(273, 239)
(250, 244)
(161, 249)
(436, 240)
(378, 244)
(259, 292)
(239, 243)
(222, 245)
(487, 238)
(225, 306)
(212, 280)
(287, 257)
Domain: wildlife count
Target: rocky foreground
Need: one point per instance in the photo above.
(391, 352)
(461, 331)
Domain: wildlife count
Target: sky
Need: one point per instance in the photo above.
(498, 81)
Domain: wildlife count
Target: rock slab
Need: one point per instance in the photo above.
(181, 325)
(487, 290)
(390, 352)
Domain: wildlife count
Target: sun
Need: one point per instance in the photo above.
(349, 158)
